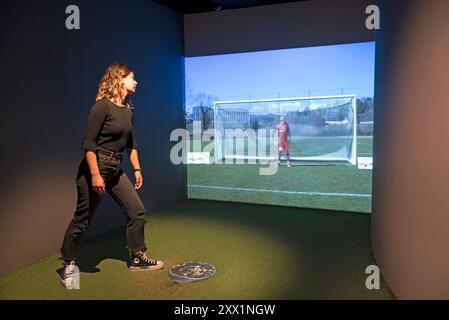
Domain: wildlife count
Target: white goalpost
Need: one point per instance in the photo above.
(322, 128)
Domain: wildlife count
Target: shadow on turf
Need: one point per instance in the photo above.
(109, 246)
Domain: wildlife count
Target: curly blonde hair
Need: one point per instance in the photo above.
(110, 85)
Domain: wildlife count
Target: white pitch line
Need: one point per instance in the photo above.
(360, 195)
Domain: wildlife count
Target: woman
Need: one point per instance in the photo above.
(109, 132)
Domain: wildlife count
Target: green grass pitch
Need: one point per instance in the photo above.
(334, 186)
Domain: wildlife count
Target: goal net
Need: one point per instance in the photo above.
(320, 128)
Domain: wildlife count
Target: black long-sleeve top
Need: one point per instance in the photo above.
(109, 126)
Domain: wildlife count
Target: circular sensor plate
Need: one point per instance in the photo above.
(191, 271)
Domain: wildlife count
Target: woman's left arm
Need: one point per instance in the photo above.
(134, 159)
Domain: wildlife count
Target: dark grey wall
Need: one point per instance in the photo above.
(289, 25)
(410, 221)
(49, 80)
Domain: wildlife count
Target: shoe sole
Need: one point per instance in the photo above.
(152, 268)
(63, 283)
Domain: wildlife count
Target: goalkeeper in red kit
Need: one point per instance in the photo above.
(283, 132)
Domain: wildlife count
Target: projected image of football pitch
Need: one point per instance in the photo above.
(330, 185)
(314, 106)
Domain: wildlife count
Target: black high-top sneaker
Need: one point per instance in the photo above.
(140, 262)
(70, 277)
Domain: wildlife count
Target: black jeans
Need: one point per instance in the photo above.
(122, 191)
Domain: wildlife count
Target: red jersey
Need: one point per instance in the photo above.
(283, 130)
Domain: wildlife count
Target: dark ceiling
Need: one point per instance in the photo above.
(196, 6)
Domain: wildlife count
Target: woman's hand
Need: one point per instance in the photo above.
(139, 180)
(98, 183)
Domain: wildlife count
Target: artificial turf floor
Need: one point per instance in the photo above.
(260, 252)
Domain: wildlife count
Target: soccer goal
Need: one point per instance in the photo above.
(320, 128)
